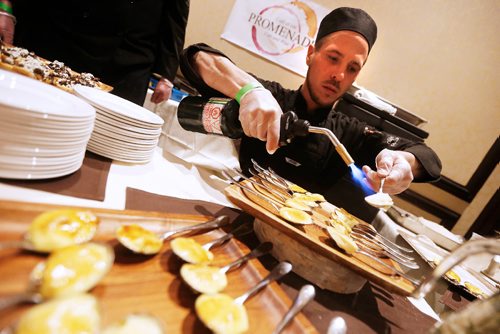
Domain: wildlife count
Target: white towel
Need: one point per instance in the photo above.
(373, 100)
(210, 151)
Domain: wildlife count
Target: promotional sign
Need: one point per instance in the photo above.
(277, 30)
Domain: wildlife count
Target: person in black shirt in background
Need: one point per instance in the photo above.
(345, 38)
(121, 42)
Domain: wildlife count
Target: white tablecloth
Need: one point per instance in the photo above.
(165, 174)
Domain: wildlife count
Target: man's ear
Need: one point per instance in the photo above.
(310, 51)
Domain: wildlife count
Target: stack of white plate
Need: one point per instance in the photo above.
(123, 130)
(43, 130)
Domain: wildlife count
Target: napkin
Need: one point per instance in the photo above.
(210, 151)
(146, 201)
(373, 100)
(419, 225)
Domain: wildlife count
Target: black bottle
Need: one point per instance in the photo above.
(213, 115)
(219, 116)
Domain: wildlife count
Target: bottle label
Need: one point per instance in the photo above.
(212, 115)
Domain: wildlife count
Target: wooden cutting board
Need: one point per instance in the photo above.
(146, 284)
(314, 242)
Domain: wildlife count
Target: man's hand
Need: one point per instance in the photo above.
(397, 167)
(162, 91)
(7, 29)
(260, 116)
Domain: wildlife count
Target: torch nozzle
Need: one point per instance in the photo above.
(341, 150)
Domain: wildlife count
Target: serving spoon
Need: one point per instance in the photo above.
(306, 294)
(380, 199)
(230, 316)
(191, 251)
(66, 271)
(56, 229)
(142, 241)
(210, 279)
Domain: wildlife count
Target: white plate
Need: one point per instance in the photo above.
(104, 127)
(126, 138)
(119, 157)
(49, 162)
(23, 93)
(123, 121)
(117, 105)
(38, 175)
(36, 150)
(46, 141)
(128, 126)
(20, 129)
(44, 120)
(120, 144)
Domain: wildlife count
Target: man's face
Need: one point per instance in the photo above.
(333, 64)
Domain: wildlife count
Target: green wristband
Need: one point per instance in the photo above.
(5, 7)
(245, 89)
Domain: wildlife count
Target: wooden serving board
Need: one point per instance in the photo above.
(146, 284)
(316, 240)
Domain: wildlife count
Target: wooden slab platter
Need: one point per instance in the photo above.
(313, 253)
(146, 284)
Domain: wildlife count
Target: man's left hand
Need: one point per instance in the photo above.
(162, 91)
(395, 167)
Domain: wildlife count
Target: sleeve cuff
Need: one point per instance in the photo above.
(429, 161)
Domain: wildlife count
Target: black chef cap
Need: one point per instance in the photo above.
(353, 19)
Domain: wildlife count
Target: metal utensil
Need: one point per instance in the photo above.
(31, 295)
(277, 272)
(239, 231)
(231, 314)
(263, 184)
(381, 249)
(394, 270)
(380, 199)
(272, 176)
(211, 224)
(203, 251)
(380, 252)
(306, 294)
(136, 244)
(274, 204)
(209, 279)
(337, 326)
(380, 244)
(64, 273)
(368, 229)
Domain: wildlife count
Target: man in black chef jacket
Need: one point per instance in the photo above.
(121, 42)
(344, 40)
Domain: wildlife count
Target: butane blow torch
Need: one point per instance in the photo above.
(292, 126)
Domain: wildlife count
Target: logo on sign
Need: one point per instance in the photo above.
(281, 29)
